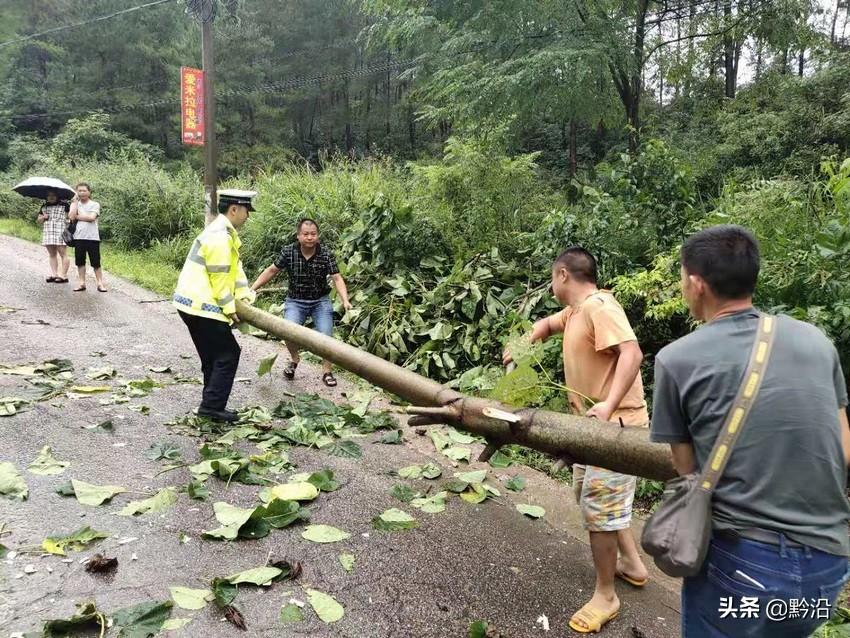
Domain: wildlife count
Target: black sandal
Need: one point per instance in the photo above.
(60, 280)
(51, 280)
(329, 379)
(289, 370)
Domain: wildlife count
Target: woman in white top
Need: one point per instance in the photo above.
(53, 216)
(87, 236)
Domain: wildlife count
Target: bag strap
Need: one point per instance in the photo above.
(744, 400)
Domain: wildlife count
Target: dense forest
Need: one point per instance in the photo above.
(451, 149)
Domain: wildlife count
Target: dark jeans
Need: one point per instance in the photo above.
(763, 584)
(219, 355)
(90, 247)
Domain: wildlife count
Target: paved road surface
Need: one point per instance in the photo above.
(468, 563)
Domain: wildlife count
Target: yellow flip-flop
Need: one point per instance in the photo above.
(632, 581)
(592, 618)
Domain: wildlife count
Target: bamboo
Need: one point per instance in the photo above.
(587, 441)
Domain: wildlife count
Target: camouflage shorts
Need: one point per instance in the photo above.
(605, 498)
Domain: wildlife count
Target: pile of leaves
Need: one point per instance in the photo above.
(47, 380)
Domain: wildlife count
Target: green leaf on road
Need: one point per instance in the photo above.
(11, 483)
(279, 514)
(394, 520)
(163, 450)
(516, 484)
(75, 541)
(86, 620)
(90, 389)
(101, 374)
(94, 495)
(231, 519)
(291, 613)
(224, 592)
(106, 426)
(266, 364)
(392, 437)
(478, 629)
(403, 493)
(257, 576)
(347, 561)
(295, 491)
(534, 511)
(440, 440)
(141, 409)
(323, 480)
(9, 406)
(346, 449)
(47, 464)
(324, 534)
(173, 624)
(432, 505)
(410, 472)
(460, 437)
(478, 476)
(500, 460)
(431, 471)
(161, 501)
(198, 491)
(326, 607)
(458, 453)
(474, 493)
(160, 369)
(192, 599)
(144, 620)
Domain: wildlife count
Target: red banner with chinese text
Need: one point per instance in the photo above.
(192, 105)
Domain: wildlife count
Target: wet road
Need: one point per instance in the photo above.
(471, 562)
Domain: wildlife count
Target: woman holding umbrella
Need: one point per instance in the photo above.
(53, 217)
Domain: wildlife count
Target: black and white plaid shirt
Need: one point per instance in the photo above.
(308, 278)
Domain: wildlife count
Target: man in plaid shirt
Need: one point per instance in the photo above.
(308, 265)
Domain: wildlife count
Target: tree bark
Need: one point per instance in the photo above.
(730, 54)
(573, 148)
(608, 445)
(801, 61)
(834, 21)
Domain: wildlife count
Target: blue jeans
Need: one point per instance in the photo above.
(321, 310)
(762, 584)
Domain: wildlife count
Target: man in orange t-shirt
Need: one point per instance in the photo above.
(602, 369)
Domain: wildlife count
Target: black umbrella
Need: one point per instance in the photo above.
(38, 187)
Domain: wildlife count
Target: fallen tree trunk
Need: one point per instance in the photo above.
(583, 440)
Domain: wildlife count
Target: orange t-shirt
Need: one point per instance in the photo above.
(590, 331)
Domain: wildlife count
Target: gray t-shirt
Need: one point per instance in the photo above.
(88, 230)
(787, 471)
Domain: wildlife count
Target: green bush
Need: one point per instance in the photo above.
(92, 138)
(142, 203)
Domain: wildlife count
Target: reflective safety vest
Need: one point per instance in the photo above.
(212, 278)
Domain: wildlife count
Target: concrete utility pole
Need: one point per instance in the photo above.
(622, 449)
(204, 11)
(210, 146)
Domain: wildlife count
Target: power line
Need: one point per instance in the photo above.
(271, 87)
(65, 27)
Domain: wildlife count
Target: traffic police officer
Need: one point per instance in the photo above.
(211, 281)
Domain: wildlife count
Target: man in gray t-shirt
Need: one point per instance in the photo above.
(780, 512)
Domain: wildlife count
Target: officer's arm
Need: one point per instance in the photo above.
(222, 281)
(243, 292)
(265, 277)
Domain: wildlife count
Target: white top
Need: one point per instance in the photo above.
(88, 230)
